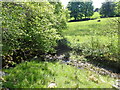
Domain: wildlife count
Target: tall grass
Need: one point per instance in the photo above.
(36, 74)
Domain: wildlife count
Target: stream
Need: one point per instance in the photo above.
(96, 67)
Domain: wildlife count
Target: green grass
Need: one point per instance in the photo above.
(87, 35)
(88, 27)
(92, 35)
(36, 74)
(96, 15)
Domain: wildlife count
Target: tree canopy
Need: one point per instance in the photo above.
(80, 9)
(117, 8)
(108, 9)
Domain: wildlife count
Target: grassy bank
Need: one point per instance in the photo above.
(94, 38)
(36, 74)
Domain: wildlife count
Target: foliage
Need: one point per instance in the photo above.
(88, 9)
(96, 10)
(117, 8)
(40, 74)
(75, 10)
(62, 15)
(108, 9)
(80, 9)
(31, 25)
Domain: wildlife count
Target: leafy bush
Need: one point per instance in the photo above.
(31, 25)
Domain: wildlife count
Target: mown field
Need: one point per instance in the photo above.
(97, 39)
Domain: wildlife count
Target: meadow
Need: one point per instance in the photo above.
(94, 38)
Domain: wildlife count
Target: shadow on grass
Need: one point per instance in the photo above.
(109, 65)
(85, 19)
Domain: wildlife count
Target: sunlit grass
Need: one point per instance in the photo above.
(40, 74)
(90, 27)
(96, 15)
(99, 37)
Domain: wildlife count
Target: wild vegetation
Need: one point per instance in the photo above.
(37, 74)
(41, 49)
(79, 9)
(109, 9)
(29, 30)
(96, 39)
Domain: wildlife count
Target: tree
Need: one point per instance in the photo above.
(61, 14)
(108, 9)
(80, 9)
(96, 10)
(75, 10)
(117, 8)
(88, 9)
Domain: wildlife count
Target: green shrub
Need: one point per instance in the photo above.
(31, 25)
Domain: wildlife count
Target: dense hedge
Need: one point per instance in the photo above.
(31, 26)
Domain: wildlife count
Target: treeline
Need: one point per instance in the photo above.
(30, 29)
(85, 9)
(80, 9)
(110, 9)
